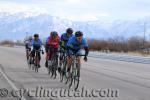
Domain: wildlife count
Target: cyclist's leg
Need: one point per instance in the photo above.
(79, 62)
(32, 56)
(26, 48)
(27, 54)
(69, 61)
(56, 51)
(56, 61)
(60, 59)
(60, 62)
(79, 65)
(39, 59)
(46, 62)
(49, 54)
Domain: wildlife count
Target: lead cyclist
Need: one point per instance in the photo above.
(75, 45)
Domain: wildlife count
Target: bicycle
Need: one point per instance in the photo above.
(37, 60)
(52, 62)
(63, 64)
(29, 59)
(75, 71)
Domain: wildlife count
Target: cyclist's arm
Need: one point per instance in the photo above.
(42, 45)
(86, 48)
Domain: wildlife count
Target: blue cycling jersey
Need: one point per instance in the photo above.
(36, 42)
(73, 43)
(64, 39)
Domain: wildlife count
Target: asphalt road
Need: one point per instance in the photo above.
(101, 79)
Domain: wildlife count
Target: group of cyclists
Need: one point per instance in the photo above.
(71, 42)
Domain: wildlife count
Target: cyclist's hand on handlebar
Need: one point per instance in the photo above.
(85, 58)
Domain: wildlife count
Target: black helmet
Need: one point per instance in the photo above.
(69, 30)
(36, 35)
(78, 34)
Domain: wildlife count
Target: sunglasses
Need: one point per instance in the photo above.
(79, 38)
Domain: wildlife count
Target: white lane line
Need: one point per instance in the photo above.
(11, 83)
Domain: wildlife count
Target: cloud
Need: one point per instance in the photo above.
(81, 9)
(15, 8)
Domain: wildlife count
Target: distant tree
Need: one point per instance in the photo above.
(7, 43)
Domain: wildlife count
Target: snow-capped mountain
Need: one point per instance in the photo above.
(17, 26)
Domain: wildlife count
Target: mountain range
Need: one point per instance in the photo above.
(20, 25)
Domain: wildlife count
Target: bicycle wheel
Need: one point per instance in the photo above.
(72, 74)
(76, 82)
(52, 67)
(75, 77)
(54, 64)
(55, 67)
(35, 68)
(49, 66)
(49, 70)
(29, 62)
(63, 71)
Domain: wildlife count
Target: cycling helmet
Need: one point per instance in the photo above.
(78, 34)
(54, 33)
(36, 35)
(69, 30)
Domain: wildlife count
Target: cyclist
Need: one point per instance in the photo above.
(63, 43)
(51, 42)
(28, 46)
(65, 37)
(74, 46)
(36, 45)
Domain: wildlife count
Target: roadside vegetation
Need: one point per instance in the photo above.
(9, 43)
(134, 44)
(119, 44)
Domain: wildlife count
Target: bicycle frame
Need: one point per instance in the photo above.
(37, 59)
(52, 62)
(63, 65)
(75, 71)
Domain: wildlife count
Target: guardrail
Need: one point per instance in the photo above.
(127, 58)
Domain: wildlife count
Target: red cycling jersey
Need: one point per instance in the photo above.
(54, 41)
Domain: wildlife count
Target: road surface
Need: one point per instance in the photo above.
(101, 79)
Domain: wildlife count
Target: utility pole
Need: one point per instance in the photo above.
(26, 36)
(144, 34)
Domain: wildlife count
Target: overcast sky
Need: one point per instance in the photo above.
(82, 10)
